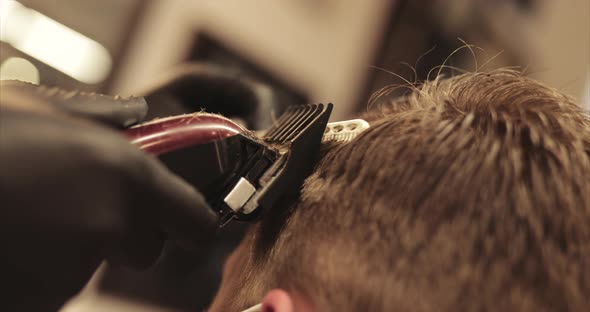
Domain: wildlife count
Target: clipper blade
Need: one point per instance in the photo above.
(298, 135)
(293, 121)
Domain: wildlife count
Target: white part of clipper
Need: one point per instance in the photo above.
(344, 131)
(239, 195)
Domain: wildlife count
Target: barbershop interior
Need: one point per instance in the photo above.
(282, 156)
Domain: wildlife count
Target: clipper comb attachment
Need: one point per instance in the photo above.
(344, 131)
(297, 135)
(293, 121)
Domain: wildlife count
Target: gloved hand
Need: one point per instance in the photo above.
(74, 191)
(216, 89)
(188, 279)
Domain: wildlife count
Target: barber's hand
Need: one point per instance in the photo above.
(74, 191)
(193, 87)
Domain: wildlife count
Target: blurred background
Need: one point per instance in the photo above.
(306, 51)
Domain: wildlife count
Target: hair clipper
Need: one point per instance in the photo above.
(240, 174)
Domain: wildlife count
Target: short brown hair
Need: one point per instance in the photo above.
(471, 193)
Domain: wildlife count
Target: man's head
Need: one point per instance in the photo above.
(471, 193)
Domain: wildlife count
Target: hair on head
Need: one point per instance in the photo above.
(470, 193)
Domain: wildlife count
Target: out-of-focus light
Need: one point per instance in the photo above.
(53, 43)
(19, 69)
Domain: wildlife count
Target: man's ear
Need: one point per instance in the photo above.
(277, 300)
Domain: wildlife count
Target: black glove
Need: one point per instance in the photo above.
(187, 279)
(74, 191)
(230, 92)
